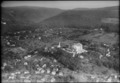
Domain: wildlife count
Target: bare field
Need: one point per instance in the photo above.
(110, 20)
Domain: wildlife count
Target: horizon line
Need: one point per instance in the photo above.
(59, 8)
(61, 4)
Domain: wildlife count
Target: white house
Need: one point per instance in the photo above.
(78, 47)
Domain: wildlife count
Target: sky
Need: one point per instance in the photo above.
(62, 4)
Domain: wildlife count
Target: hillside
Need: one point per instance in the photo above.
(89, 18)
(24, 17)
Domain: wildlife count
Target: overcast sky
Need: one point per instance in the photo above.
(62, 4)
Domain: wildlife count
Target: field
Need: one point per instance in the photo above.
(111, 20)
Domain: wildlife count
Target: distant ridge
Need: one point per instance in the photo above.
(111, 8)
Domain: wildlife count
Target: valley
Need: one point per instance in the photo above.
(67, 46)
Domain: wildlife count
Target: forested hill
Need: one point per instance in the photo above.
(18, 18)
(24, 18)
(78, 18)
